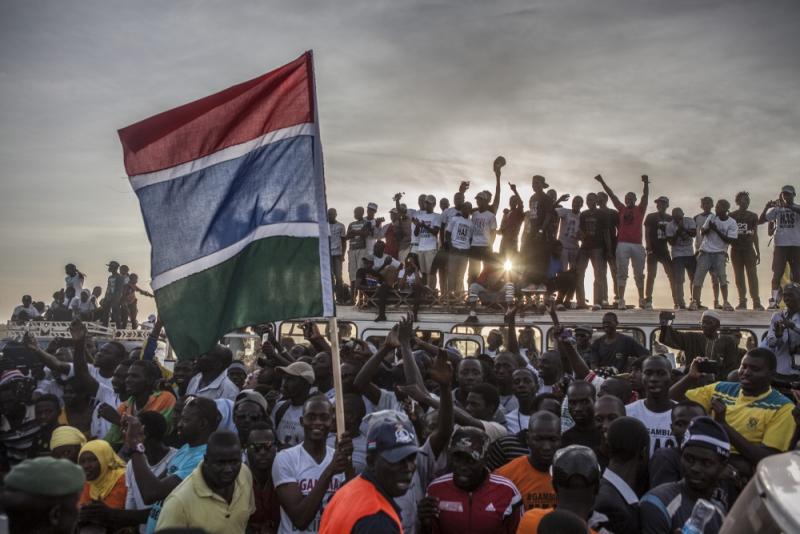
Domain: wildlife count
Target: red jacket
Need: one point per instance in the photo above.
(495, 507)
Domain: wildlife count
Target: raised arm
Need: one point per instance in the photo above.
(567, 348)
(499, 162)
(78, 331)
(153, 489)
(363, 381)
(607, 189)
(404, 334)
(442, 374)
(49, 361)
(645, 191)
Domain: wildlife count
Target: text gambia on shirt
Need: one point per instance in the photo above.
(307, 484)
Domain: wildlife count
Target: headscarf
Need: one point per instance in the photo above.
(111, 468)
(66, 435)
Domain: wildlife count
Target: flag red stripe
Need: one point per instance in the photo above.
(276, 100)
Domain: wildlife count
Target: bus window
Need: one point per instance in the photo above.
(376, 336)
(464, 346)
(637, 334)
(527, 336)
(294, 330)
(745, 339)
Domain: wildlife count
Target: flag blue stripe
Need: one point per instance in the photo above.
(200, 213)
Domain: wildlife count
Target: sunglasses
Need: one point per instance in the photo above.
(264, 446)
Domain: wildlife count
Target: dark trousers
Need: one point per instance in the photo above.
(780, 258)
(128, 311)
(598, 259)
(653, 259)
(536, 257)
(744, 261)
(611, 261)
(682, 266)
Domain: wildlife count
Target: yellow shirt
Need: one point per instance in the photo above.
(765, 419)
(193, 504)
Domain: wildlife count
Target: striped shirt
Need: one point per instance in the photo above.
(17, 443)
(503, 450)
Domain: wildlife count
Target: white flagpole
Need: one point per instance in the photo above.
(327, 289)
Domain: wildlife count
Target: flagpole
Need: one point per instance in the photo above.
(333, 326)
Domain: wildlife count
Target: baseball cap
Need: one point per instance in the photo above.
(470, 440)
(251, 395)
(46, 477)
(705, 432)
(788, 189)
(301, 369)
(392, 440)
(372, 206)
(112, 262)
(539, 177)
(584, 328)
(575, 460)
(662, 198)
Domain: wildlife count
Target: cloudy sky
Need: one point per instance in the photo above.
(702, 95)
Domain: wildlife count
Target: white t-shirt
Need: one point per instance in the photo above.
(568, 230)
(517, 421)
(427, 240)
(659, 425)
(683, 245)
(699, 219)
(461, 232)
(295, 465)
(712, 242)
(413, 214)
(787, 229)
(74, 281)
(289, 431)
(337, 231)
(378, 261)
(30, 310)
(95, 373)
(100, 426)
(133, 500)
(447, 216)
(484, 224)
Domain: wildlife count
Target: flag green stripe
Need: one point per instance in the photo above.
(271, 279)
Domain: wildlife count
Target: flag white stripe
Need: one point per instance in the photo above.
(310, 229)
(226, 154)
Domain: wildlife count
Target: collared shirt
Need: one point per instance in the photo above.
(762, 420)
(194, 504)
(219, 388)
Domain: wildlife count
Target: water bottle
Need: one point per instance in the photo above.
(702, 513)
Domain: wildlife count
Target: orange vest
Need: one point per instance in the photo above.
(357, 499)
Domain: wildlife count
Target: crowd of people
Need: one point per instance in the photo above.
(591, 436)
(549, 246)
(119, 303)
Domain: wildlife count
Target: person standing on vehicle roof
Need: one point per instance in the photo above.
(629, 245)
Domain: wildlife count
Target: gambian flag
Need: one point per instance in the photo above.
(232, 193)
